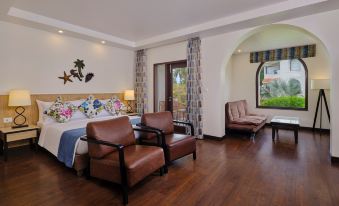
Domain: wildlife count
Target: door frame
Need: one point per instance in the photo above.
(168, 85)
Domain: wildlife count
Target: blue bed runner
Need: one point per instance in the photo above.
(66, 150)
(67, 145)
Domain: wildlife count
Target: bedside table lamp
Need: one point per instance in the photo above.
(320, 84)
(129, 97)
(19, 99)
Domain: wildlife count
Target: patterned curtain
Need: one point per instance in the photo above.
(140, 81)
(194, 86)
(283, 54)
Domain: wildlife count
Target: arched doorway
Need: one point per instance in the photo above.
(244, 80)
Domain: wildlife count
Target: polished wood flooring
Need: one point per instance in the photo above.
(234, 171)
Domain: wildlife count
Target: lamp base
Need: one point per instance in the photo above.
(16, 118)
(129, 107)
(19, 126)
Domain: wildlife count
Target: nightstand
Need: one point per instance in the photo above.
(7, 134)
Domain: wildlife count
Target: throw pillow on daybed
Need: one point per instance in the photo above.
(61, 111)
(91, 107)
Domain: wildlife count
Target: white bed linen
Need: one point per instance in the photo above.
(51, 134)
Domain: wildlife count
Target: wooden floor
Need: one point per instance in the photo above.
(234, 171)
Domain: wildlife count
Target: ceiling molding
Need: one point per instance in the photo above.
(29, 16)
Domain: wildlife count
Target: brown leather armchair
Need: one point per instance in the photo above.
(175, 145)
(115, 157)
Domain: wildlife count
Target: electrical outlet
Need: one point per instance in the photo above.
(8, 120)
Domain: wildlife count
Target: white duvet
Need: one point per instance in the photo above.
(51, 134)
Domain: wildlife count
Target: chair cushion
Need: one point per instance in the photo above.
(237, 109)
(180, 145)
(159, 120)
(140, 161)
(255, 120)
(117, 131)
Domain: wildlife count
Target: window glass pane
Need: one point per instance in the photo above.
(281, 84)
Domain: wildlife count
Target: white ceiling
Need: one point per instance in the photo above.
(139, 19)
(146, 23)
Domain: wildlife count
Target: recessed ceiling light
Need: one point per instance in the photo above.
(103, 42)
(61, 32)
(239, 51)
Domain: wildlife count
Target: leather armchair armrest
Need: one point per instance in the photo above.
(146, 129)
(118, 146)
(186, 123)
(160, 133)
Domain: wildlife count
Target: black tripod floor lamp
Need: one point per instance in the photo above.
(321, 84)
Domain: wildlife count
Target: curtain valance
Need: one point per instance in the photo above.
(283, 54)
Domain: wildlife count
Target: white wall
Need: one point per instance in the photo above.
(33, 59)
(243, 81)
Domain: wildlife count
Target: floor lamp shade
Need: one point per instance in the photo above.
(320, 84)
(19, 99)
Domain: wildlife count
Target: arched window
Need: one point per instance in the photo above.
(282, 85)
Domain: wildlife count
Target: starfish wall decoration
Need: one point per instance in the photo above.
(77, 73)
(66, 78)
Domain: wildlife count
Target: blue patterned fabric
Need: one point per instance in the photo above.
(283, 54)
(91, 107)
(67, 145)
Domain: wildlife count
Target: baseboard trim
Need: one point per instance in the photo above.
(308, 128)
(334, 160)
(213, 137)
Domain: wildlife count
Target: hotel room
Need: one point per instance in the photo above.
(115, 102)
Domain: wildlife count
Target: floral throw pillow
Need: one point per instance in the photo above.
(115, 106)
(60, 111)
(91, 107)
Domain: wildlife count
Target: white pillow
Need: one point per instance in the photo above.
(42, 107)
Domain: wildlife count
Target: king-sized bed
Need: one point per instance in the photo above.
(62, 140)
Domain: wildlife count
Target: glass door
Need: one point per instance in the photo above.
(170, 88)
(179, 90)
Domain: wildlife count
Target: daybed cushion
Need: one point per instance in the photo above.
(238, 117)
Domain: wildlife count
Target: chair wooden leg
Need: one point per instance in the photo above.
(194, 155)
(87, 172)
(161, 171)
(165, 169)
(124, 194)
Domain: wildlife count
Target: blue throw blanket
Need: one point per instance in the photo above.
(66, 150)
(67, 145)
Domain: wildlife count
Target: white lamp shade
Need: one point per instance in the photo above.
(19, 98)
(129, 95)
(320, 84)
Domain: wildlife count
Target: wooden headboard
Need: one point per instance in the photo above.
(32, 112)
